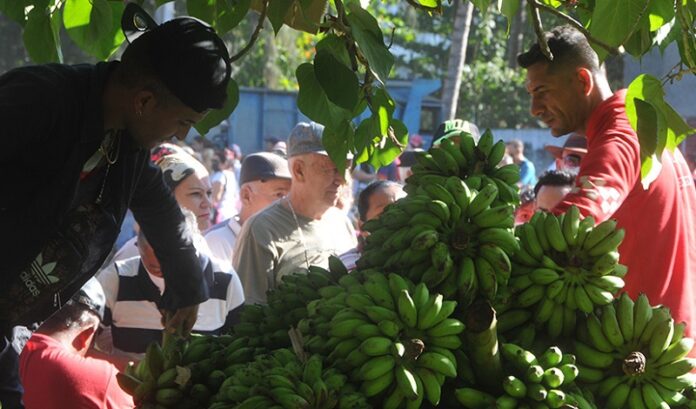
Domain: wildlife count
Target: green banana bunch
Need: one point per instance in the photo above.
(281, 379)
(475, 162)
(635, 355)
(555, 272)
(392, 338)
(268, 324)
(547, 381)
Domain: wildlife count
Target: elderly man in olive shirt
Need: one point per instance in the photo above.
(300, 230)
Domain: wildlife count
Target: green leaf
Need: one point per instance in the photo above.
(216, 116)
(660, 13)
(509, 9)
(657, 124)
(313, 102)
(368, 35)
(482, 5)
(94, 25)
(613, 21)
(39, 37)
(336, 46)
(229, 16)
(277, 10)
(202, 9)
(338, 142)
(430, 3)
(338, 81)
(390, 149)
(641, 40)
(14, 9)
(552, 3)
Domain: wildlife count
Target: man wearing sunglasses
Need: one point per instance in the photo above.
(569, 156)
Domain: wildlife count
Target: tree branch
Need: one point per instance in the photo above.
(539, 29)
(254, 35)
(574, 23)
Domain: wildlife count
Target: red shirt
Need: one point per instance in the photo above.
(55, 378)
(660, 243)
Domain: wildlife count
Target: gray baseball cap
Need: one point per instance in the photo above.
(306, 138)
(263, 166)
(91, 295)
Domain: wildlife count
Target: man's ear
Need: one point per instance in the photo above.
(144, 101)
(298, 170)
(83, 340)
(586, 79)
(245, 194)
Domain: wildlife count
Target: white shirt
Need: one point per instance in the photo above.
(222, 238)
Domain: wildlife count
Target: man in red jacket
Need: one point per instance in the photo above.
(572, 94)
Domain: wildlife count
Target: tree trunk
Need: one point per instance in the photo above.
(516, 39)
(457, 58)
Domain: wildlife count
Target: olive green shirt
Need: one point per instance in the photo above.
(271, 246)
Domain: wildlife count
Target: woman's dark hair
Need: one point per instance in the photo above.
(569, 47)
(555, 178)
(366, 194)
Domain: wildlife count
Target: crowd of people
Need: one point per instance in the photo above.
(216, 230)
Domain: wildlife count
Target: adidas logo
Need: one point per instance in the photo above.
(39, 274)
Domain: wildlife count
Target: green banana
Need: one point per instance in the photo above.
(571, 224)
(474, 399)
(376, 367)
(610, 326)
(407, 309)
(554, 234)
(609, 243)
(371, 387)
(498, 216)
(482, 200)
(460, 191)
(428, 315)
(376, 346)
(501, 238)
(431, 386)
(445, 160)
(438, 363)
(642, 314)
(406, 381)
(589, 356)
(453, 150)
(530, 241)
(596, 334)
(599, 233)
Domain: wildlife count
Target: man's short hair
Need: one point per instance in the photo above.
(569, 47)
(555, 178)
(366, 194)
(72, 314)
(516, 143)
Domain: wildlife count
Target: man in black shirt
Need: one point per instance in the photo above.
(75, 158)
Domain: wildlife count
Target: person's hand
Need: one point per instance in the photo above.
(180, 321)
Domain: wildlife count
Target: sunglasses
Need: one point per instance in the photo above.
(572, 161)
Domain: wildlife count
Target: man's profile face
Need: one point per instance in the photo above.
(381, 199)
(557, 98)
(159, 120)
(549, 196)
(263, 193)
(324, 176)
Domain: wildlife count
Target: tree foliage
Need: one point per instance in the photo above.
(352, 45)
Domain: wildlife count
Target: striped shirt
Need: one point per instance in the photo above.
(222, 238)
(133, 294)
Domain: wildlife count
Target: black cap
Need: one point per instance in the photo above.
(91, 295)
(186, 55)
(263, 166)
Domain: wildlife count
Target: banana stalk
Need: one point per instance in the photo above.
(483, 346)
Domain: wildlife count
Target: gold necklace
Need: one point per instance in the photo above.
(111, 139)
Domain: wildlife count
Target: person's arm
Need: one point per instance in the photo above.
(108, 278)
(160, 218)
(607, 174)
(254, 263)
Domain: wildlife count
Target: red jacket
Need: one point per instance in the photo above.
(660, 222)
